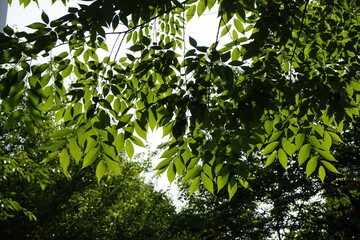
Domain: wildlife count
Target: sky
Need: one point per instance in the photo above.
(203, 30)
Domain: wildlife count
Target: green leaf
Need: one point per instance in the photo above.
(37, 25)
(190, 13)
(100, 170)
(335, 137)
(269, 125)
(315, 142)
(326, 154)
(50, 157)
(232, 187)
(192, 42)
(169, 153)
(275, 136)
(299, 140)
(74, 149)
(112, 166)
(329, 167)
(194, 185)
(90, 157)
(282, 158)
(288, 146)
(208, 183)
(304, 153)
(201, 7)
(45, 17)
(13, 120)
(64, 160)
(163, 164)
(238, 25)
(137, 141)
(222, 178)
(270, 148)
(311, 166)
(270, 159)
(327, 141)
(119, 142)
(171, 172)
(54, 145)
(61, 133)
(129, 148)
(191, 173)
(322, 173)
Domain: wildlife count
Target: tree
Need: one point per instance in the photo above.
(40, 202)
(298, 82)
(283, 205)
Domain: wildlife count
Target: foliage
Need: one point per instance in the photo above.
(123, 207)
(298, 64)
(39, 201)
(284, 205)
(20, 166)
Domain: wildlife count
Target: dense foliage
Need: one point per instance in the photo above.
(298, 81)
(285, 205)
(38, 201)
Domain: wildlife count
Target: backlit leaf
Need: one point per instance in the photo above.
(311, 166)
(100, 170)
(282, 158)
(270, 148)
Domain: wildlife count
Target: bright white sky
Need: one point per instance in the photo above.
(203, 30)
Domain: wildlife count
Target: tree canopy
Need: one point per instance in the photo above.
(282, 88)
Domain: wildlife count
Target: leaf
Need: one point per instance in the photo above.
(322, 173)
(90, 157)
(270, 147)
(208, 183)
(232, 187)
(327, 141)
(201, 7)
(13, 120)
(119, 142)
(129, 148)
(326, 154)
(64, 160)
(270, 159)
(282, 158)
(169, 153)
(50, 157)
(61, 133)
(100, 170)
(137, 141)
(75, 150)
(37, 25)
(288, 147)
(192, 42)
(54, 145)
(299, 140)
(315, 142)
(45, 17)
(190, 13)
(113, 166)
(191, 173)
(238, 25)
(163, 164)
(194, 185)
(304, 153)
(335, 137)
(311, 166)
(171, 172)
(330, 167)
(222, 178)
(269, 125)
(275, 136)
